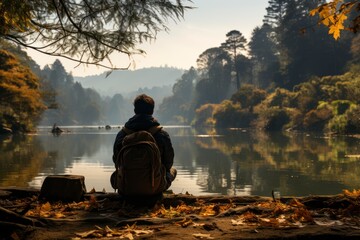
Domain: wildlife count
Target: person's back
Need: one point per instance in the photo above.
(140, 122)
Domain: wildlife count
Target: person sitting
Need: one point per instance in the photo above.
(140, 122)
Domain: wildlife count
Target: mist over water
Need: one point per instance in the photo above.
(231, 162)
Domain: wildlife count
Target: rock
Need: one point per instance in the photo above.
(56, 130)
(4, 194)
(67, 188)
(5, 130)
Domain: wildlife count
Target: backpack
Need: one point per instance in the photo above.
(139, 170)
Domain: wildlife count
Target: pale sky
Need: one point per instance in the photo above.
(202, 28)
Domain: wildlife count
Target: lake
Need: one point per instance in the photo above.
(233, 162)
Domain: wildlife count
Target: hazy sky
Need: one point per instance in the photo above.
(202, 28)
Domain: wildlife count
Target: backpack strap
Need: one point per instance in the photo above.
(153, 130)
(127, 130)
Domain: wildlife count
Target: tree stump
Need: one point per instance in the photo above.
(66, 188)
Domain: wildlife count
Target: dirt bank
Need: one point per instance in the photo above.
(105, 216)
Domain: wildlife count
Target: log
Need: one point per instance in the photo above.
(9, 216)
(18, 192)
(11, 230)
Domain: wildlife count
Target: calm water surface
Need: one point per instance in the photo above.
(232, 162)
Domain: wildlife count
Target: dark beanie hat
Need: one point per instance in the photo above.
(144, 104)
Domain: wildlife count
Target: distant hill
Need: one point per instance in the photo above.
(127, 81)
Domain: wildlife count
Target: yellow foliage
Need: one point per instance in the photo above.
(129, 232)
(19, 93)
(353, 194)
(58, 210)
(274, 214)
(333, 15)
(277, 215)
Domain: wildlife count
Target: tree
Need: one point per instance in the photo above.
(213, 86)
(73, 104)
(208, 58)
(117, 109)
(301, 54)
(234, 43)
(275, 12)
(58, 74)
(263, 56)
(20, 97)
(21, 55)
(86, 31)
(177, 108)
(333, 14)
(355, 49)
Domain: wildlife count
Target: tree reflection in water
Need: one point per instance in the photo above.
(21, 159)
(233, 162)
(252, 162)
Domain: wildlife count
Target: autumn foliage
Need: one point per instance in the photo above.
(334, 14)
(203, 218)
(20, 97)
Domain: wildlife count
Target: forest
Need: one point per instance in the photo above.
(51, 97)
(290, 75)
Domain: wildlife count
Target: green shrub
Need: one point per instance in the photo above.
(248, 96)
(346, 118)
(296, 119)
(353, 117)
(338, 124)
(273, 118)
(317, 119)
(204, 115)
(340, 106)
(228, 114)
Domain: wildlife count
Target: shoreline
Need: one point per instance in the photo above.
(181, 216)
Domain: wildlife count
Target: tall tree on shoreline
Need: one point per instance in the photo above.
(275, 13)
(234, 43)
(214, 66)
(262, 49)
(177, 108)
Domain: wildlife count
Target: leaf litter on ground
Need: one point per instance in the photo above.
(271, 214)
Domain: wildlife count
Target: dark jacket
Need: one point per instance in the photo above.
(144, 122)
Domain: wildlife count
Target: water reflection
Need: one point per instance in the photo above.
(232, 162)
(21, 159)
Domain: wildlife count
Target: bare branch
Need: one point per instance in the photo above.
(89, 31)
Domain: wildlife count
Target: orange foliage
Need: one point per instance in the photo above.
(334, 13)
(20, 97)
